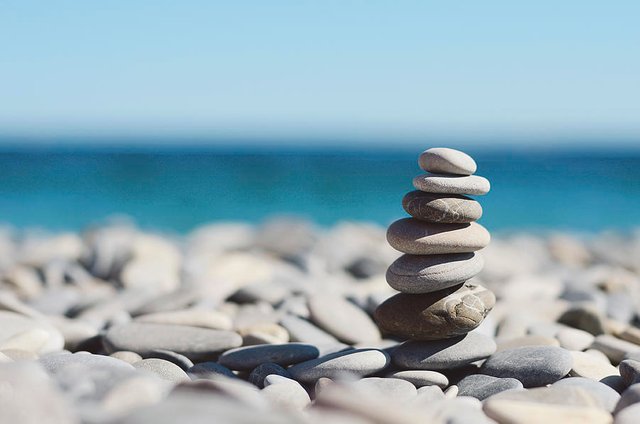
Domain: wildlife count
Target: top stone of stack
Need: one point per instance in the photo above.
(449, 172)
(442, 160)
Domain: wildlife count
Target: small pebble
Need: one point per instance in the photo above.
(534, 366)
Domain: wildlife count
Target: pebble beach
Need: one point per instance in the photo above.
(273, 322)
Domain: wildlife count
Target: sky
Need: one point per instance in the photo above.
(475, 70)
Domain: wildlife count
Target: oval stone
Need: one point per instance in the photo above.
(409, 235)
(447, 161)
(421, 378)
(193, 342)
(449, 184)
(359, 363)
(445, 208)
(534, 366)
(443, 354)
(331, 312)
(438, 315)
(247, 358)
(416, 274)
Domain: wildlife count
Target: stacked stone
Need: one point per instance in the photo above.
(440, 243)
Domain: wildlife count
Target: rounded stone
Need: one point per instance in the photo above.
(443, 208)
(193, 342)
(332, 312)
(482, 386)
(447, 161)
(259, 373)
(409, 235)
(449, 184)
(421, 378)
(358, 363)
(285, 392)
(443, 354)
(395, 389)
(607, 397)
(417, 274)
(209, 370)
(432, 316)
(21, 332)
(247, 358)
(534, 366)
(163, 369)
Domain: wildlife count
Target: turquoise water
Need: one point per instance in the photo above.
(177, 190)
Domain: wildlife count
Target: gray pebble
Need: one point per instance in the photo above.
(443, 354)
(447, 161)
(248, 357)
(394, 389)
(607, 397)
(449, 184)
(533, 365)
(180, 360)
(193, 342)
(163, 369)
(415, 274)
(301, 330)
(126, 356)
(359, 362)
(421, 378)
(209, 370)
(482, 386)
(409, 235)
(444, 208)
(629, 397)
(615, 349)
(332, 312)
(630, 415)
(285, 392)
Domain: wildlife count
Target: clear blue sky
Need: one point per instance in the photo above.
(470, 69)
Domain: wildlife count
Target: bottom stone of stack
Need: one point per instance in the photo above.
(438, 315)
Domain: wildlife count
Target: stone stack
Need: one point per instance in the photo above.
(437, 305)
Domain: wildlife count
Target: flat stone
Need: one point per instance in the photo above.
(263, 333)
(615, 349)
(447, 161)
(395, 389)
(180, 360)
(191, 317)
(432, 316)
(421, 378)
(164, 369)
(409, 235)
(21, 332)
(629, 415)
(301, 330)
(126, 356)
(260, 372)
(590, 366)
(443, 208)
(443, 354)
(607, 397)
(209, 370)
(359, 362)
(133, 393)
(574, 339)
(417, 274)
(630, 371)
(533, 340)
(193, 342)
(285, 392)
(449, 184)
(332, 312)
(482, 386)
(533, 365)
(247, 358)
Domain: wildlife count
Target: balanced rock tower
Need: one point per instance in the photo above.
(440, 242)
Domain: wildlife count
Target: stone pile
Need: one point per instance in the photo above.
(437, 305)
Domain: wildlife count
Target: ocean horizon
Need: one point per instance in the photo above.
(178, 188)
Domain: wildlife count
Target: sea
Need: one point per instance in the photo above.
(177, 189)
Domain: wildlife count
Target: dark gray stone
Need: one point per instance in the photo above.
(247, 358)
(209, 370)
(176, 358)
(260, 372)
(628, 398)
(630, 371)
